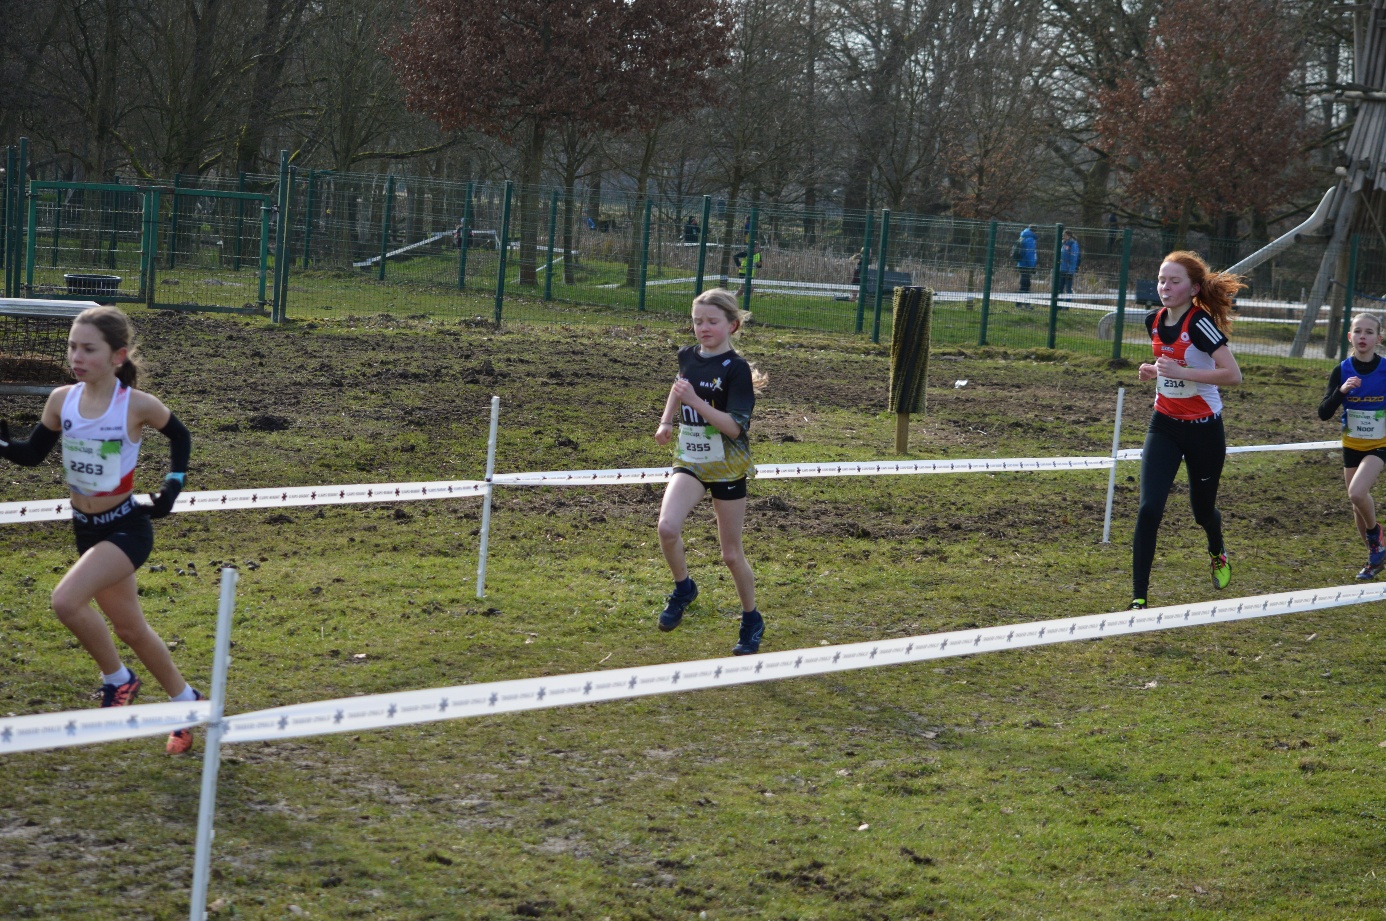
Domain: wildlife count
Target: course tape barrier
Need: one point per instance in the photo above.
(404, 708)
(87, 727)
(215, 500)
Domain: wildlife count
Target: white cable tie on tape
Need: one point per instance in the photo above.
(285, 497)
(88, 727)
(408, 707)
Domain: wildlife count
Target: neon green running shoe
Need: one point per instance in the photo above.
(1222, 572)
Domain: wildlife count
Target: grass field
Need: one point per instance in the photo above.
(1222, 772)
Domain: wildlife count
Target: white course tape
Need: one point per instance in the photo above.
(87, 727)
(408, 707)
(891, 468)
(216, 500)
(585, 477)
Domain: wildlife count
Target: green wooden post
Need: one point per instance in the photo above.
(880, 273)
(173, 222)
(504, 244)
(385, 224)
(144, 244)
(553, 232)
(308, 212)
(1119, 327)
(1349, 293)
(1054, 287)
(466, 240)
(865, 264)
(265, 209)
(986, 283)
(748, 268)
(280, 234)
(5, 218)
(644, 254)
(240, 227)
(702, 245)
(57, 224)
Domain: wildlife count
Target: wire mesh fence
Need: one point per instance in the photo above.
(365, 244)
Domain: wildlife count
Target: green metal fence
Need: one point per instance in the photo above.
(305, 242)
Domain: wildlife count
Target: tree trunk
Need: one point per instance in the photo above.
(1094, 203)
(532, 172)
(641, 196)
(276, 38)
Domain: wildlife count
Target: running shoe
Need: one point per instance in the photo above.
(674, 605)
(180, 741)
(752, 629)
(1376, 551)
(1369, 571)
(1138, 604)
(1222, 572)
(120, 695)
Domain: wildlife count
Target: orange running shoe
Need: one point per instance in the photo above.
(120, 695)
(180, 741)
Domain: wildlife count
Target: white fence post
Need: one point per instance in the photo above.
(486, 499)
(211, 757)
(1111, 477)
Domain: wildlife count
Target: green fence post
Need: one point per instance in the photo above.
(265, 209)
(1349, 293)
(553, 232)
(880, 273)
(385, 224)
(308, 213)
(173, 222)
(748, 268)
(144, 243)
(644, 254)
(865, 264)
(29, 239)
(1054, 287)
(150, 280)
(240, 227)
(466, 237)
(5, 218)
(1119, 327)
(504, 245)
(986, 283)
(702, 245)
(22, 188)
(57, 224)
(280, 234)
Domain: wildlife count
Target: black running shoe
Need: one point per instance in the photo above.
(120, 695)
(752, 629)
(674, 606)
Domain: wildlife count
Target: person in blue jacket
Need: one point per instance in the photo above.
(1070, 257)
(1025, 259)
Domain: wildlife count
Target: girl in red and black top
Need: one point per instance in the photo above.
(1188, 335)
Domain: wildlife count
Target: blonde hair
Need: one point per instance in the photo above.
(726, 301)
(119, 333)
(1365, 315)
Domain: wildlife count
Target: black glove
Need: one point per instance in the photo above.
(164, 498)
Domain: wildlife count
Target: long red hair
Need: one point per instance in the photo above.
(1215, 289)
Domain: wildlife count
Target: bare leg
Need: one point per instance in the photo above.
(105, 574)
(680, 495)
(1359, 486)
(731, 515)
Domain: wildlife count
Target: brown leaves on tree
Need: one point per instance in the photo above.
(1212, 127)
(494, 65)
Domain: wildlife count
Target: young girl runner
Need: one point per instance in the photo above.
(708, 411)
(1188, 334)
(1357, 388)
(100, 420)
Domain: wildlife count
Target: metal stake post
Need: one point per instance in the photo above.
(486, 499)
(1111, 477)
(986, 283)
(211, 758)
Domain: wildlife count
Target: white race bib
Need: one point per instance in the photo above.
(1367, 424)
(700, 444)
(1175, 389)
(92, 465)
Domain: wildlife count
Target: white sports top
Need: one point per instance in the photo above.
(98, 456)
